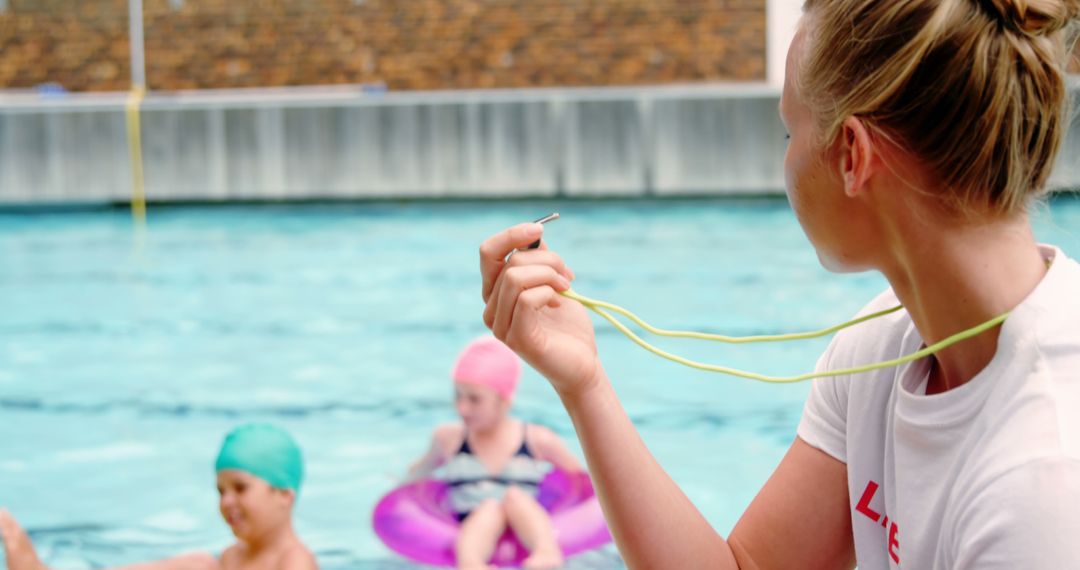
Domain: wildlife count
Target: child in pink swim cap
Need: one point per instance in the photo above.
(493, 462)
(488, 362)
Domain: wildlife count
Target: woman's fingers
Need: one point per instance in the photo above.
(513, 282)
(529, 302)
(539, 257)
(494, 250)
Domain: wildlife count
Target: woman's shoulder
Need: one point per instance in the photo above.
(885, 299)
(1052, 310)
(875, 338)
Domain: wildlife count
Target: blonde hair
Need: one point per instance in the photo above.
(974, 88)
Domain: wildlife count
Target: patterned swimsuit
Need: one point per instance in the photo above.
(471, 483)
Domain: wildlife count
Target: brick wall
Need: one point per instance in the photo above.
(404, 44)
(80, 44)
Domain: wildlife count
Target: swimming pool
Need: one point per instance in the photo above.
(123, 361)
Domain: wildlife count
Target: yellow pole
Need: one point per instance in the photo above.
(134, 132)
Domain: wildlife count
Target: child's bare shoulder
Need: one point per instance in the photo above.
(449, 435)
(541, 435)
(230, 557)
(191, 561)
(298, 557)
(546, 445)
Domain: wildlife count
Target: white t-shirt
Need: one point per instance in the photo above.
(986, 475)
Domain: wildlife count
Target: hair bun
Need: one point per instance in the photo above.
(1034, 17)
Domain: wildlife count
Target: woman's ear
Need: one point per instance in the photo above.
(856, 156)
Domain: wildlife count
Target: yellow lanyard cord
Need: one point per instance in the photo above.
(595, 304)
(599, 308)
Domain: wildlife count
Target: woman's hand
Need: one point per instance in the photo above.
(525, 311)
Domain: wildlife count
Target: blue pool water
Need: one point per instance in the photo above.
(123, 361)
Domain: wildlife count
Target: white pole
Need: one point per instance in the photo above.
(134, 129)
(781, 19)
(135, 36)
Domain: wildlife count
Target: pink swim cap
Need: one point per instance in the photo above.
(488, 362)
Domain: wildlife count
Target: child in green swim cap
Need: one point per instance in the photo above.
(259, 471)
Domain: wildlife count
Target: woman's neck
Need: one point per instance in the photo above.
(953, 277)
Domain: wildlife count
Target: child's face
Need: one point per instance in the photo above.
(250, 506)
(479, 407)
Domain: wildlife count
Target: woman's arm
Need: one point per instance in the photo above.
(800, 519)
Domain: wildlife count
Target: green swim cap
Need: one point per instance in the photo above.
(265, 451)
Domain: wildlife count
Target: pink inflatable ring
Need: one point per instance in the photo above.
(415, 520)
